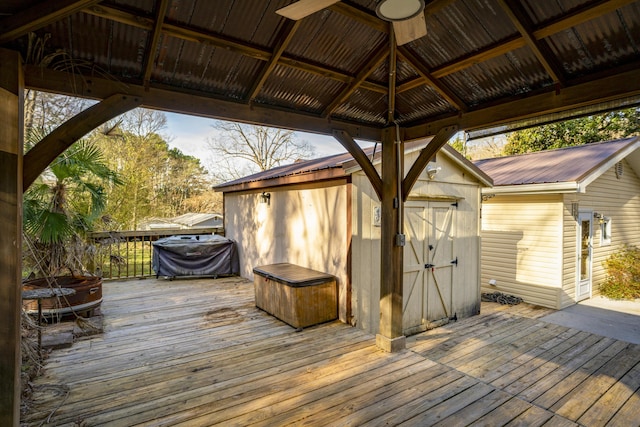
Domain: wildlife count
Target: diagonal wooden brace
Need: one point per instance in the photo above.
(54, 144)
(425, 156)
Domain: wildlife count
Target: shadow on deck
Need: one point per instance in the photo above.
(198, 353)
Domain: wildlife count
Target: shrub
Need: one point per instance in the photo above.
(623, 274)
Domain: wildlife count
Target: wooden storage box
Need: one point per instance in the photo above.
(296, 295)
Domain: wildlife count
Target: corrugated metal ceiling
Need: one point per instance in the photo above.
(474, 55)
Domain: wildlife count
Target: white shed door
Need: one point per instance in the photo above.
(429, 259)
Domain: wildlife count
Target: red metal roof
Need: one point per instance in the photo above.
(339, 163)
(571, 164)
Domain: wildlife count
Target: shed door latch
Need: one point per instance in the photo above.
(429, 265)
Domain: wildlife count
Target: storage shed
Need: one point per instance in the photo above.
(554, 216)
(324, 214)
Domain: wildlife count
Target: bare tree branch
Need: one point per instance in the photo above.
(239, 150)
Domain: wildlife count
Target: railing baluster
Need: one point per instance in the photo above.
(115, 243)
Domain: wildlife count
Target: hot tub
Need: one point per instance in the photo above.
(296, 295)
(195, 255)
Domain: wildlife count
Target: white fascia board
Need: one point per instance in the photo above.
(555, 187)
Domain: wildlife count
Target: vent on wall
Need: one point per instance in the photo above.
(619, 170)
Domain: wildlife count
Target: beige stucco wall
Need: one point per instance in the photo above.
(303, 225)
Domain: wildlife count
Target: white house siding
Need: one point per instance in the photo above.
(303, 225)
(522, 247)
(616, 198)
(449, 181)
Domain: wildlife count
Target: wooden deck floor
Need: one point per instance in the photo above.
(198, 353)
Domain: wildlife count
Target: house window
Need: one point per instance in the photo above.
(605, 231)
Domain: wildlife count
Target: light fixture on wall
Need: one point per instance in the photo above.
(265, 197)
(432, 171)
(600, 217)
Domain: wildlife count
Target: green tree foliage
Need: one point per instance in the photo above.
(585, 130)
(460, 146)
(158, 181)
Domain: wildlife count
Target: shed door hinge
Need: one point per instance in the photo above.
(455, 261)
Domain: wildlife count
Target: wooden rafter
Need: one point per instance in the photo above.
(38, 16)
(156, 33)
(393, 78)
(364, 72)
(283, 41)
(361, 16)
(52, 145)
(425, 74)
(226, 43)
(538, 47)
(578, 17)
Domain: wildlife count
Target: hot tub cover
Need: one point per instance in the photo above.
(195, 255)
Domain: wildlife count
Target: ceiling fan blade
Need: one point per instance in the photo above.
(410, 29)
(303, 8)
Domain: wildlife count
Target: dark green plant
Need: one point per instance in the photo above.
(62, 205)
(623, 274)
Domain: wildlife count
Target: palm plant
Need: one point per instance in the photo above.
(62, 205)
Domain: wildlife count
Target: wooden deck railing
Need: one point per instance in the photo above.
(128, 254)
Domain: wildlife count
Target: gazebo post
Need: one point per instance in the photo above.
(11, 138)
(390, 337)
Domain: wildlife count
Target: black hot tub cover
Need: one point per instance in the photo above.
(195, 255)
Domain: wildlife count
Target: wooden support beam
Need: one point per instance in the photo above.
(228, 44)
(52, 145)
(620, 86)
(371, 65)
(363, 161)
(539, 48)
(425, 156)
(150, 52)
(390, 336)
(444, 91)
(39, 15)
(11, 161)
(392, 82)
(192, 103)
(285, 38)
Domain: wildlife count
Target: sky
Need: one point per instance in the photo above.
(189, 134)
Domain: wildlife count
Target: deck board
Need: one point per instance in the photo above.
(198, 353)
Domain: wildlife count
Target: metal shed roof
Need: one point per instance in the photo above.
(579, 164)
(335, 167)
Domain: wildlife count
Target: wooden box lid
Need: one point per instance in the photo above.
(293, 275)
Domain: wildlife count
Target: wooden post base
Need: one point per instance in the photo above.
(391, 345)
